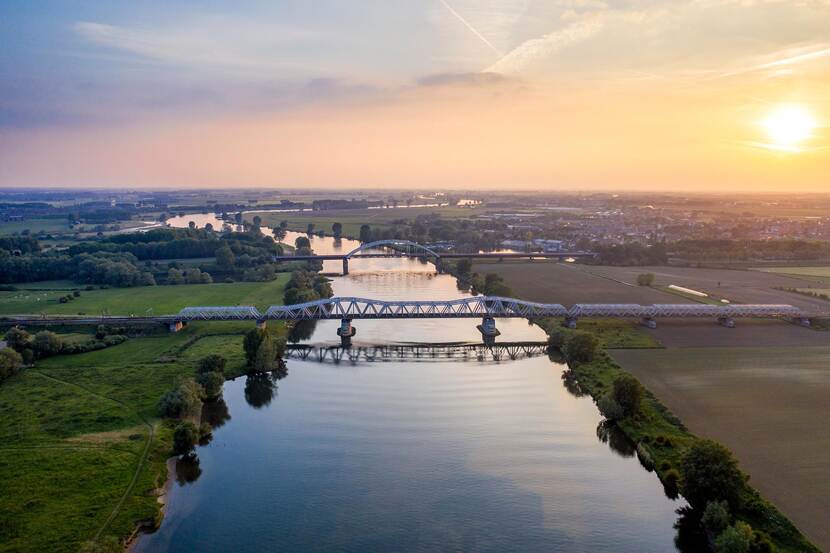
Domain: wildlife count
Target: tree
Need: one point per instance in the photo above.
(194, 276)
(309, 229)
(185, 400)
(365, 233)
(18, 339)
(735, 539)
(580, 347)
(337, 230)
(302, 243)
(716, 516)
(265, 359)
(191, 225)
(710, 473)
(175, 276)
(464, 266)
(225, 257)
(47, 343)
(645, 279)
(185, 438)
(212, 363)
(211, 383)
(257, 221)
(209, 227)
(628, 393)
(206, 278)
(10, 363)
(253, 338)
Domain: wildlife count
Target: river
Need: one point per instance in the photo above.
(426, 454)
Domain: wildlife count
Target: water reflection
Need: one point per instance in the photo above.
(188, 469)
(301, 330)
(216, 413)
(609, 433)
(261, 388)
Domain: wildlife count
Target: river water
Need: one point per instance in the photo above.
(426, 454)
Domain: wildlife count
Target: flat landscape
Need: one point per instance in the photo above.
(136, 301)
(767, 404)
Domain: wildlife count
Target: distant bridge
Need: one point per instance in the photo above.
(407, 248)
(487, 308)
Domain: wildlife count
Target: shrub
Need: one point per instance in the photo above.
(716, 516)
(735, 539)
(100, 332)
(664, 466)
(671, 481)
(18, 339)
(28, 356)
(609, 408)
(47, 343)
(645, 279)
(628, 393)
(182, 401)
(212, 383)
(710, 473)
(185, 438)
(10, 363)
(556, 338)
(76, 293)
(212, 363)
(580, 347)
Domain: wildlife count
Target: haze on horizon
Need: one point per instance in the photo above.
(688, 95)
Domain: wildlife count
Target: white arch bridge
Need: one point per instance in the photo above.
(486, 308)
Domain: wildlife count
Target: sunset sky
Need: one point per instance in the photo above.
(697, 95)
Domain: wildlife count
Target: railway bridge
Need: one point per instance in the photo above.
(485, 308)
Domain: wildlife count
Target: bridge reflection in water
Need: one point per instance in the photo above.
(457, 351)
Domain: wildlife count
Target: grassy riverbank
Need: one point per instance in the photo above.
(665, 439)
(82, 449)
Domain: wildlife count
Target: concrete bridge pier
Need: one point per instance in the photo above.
(648, 322)
(728, 322)
(176, 326)
(570, 322)
(346, 331)
(488, 330)
(345, 266)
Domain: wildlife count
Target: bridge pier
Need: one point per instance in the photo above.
(176, 326)
(346, 331)
(728, 322)
(648, 322)
(488, 330)
(345, 266)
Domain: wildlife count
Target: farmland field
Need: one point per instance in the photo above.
(767, 404)
(156, 300)
(798, 271)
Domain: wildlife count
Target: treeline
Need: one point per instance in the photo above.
(466, 234)
(631, 254)
(747, 250)
(305, 286)
(110, 269)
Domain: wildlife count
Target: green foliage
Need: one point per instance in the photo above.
(337, 230)
(225, 257)
(265, 359)
(365, 233)
(211, 383)
(716, 516)
(106, 544)
(628, 393)
(18, 339)
(185, 400)
(645, 279)
(609, 408)
(735, 539)
(185, 438)
(46, 343)
(711, 473)
(557, 337)
(10, 363)
(580, 347)
(212, 363)
(253, 338)
(302, 242)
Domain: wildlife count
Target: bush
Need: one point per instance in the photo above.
(18, 339)
(710, 473)
(47, 343)
(183, 401)
(76, 293)
(212, 363)
(10, 363)
(609, 408)
(580, 347)
(211, 383)
(28, 356)
(628, 393)
(185, 438)
(100, 332)
(645, 279)
(735, 539)
(716, 516)
(556, 338)
(671, 481)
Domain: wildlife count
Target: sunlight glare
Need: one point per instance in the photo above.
(787, 126)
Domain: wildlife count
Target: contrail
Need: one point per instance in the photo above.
(472, 29)
(790, 60)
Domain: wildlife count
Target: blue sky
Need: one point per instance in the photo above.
(73, 72)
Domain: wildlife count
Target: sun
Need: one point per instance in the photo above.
(788, 126)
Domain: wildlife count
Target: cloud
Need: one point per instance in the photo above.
(467, 79)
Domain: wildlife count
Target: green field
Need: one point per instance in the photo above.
(35, 225)
(156, 300)
(81, 449)
(352, 219)
(820, 272)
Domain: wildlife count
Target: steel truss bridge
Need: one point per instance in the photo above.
(416, 352)
(407, 248)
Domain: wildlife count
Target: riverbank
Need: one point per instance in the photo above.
(662, 439)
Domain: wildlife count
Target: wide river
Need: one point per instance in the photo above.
(412, 454)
